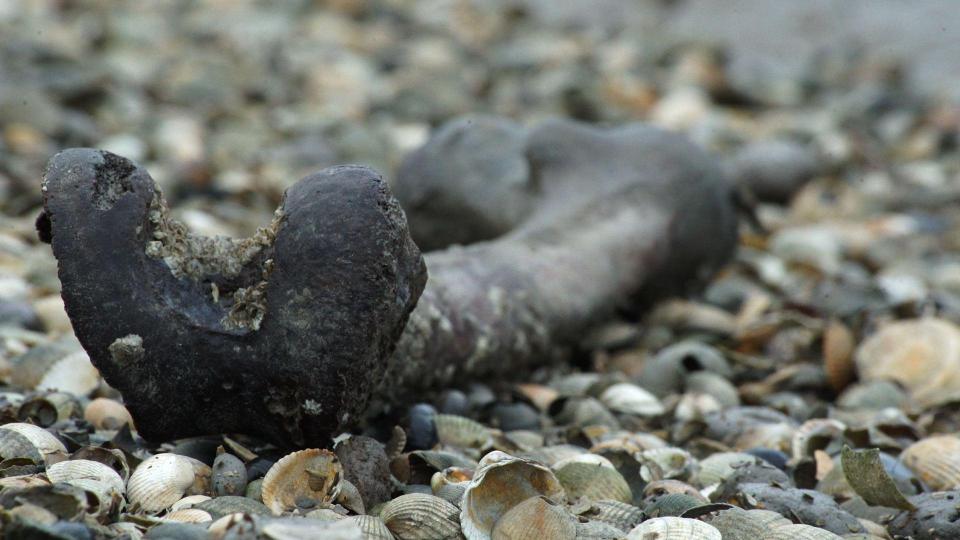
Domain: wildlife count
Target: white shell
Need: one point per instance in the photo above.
(73, 374)
(631, 399)
(105, 413)
(71, 471)
(288, 479)
(674, 528)
(162, 480)
(42, 440)
(189, 515)
(501, 482)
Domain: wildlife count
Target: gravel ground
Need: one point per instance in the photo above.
(834, 327)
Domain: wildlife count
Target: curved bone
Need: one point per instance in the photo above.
(287, 334)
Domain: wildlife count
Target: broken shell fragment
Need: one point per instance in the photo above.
(46, 408)
(303, 480)
(673, 528)
(592, 477)
(500, 482)
(19, 440)
(418, 516)
(935, 460)
(163, 479)
(108, 414)
(536, 518)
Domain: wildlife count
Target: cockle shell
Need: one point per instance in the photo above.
(111, 457)
(19, 440)
(163, 479)
(536, 518)
(935, 460)
(418, 516)
(592, 477)
(188, 515)
(46, 408)
(921, 354)
(73, 374)
(462, 432)
(81, 469)
(631, 399)
(188, 502)
(500, 482)
(372, 527)
(799, 532)
(619, 514)
(739, 524)
(665, 463)
(108, 414)
(307, 475)
(673, 528)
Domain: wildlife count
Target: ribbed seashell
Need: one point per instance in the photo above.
(418, 516)
(452, 493)
(164, 479)
(717, 467)
(30, 367)
(70, 471)
(107, 414)
(592, 477)
(815, 434)
(324, 514)
(619, 514)
(799, 532)
(921, 354)
(188, 502)
(46, 408)
(739, 524)
(229, 475)
(500, 482)
(549, 455)
(73, 374)
(461, 432)
(631, 399)
(598, 530)
(311, 474)
(536, 518)
(935, 460)
(673, 528)
(111, 457)
(672, 504)
(19, 440)
(188, 515)
(372, 527)
(230, 504)
(666, 463)
(350, 498)
(24, 481)
(520, 440)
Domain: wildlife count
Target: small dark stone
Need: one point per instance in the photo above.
(454, 402)
(421, 430)
(22, 314)
(366, 466)
(229, 475)
(774, 457)
(936, 517)
(774, 170)
(176, 531)
(480, 395)
(807, 506)
(514, 416)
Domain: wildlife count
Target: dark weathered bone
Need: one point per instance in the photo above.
(587, 221)
(275, 335)
(286, 334)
